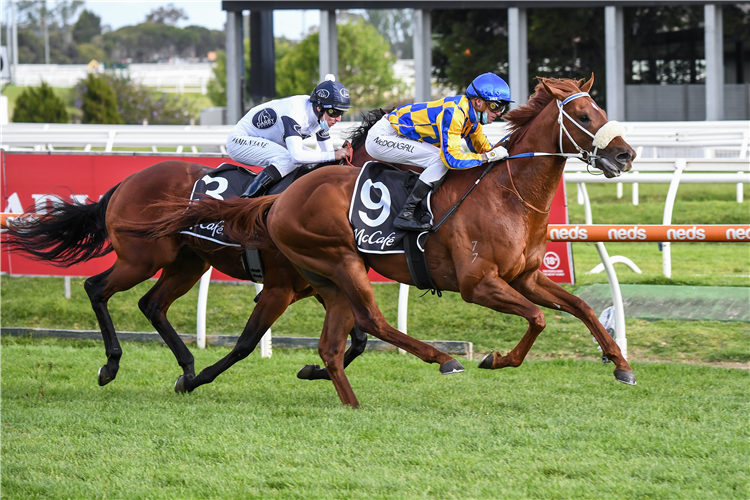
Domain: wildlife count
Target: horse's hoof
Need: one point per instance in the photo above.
(305, 373)
(487, 361)
(103, 376)
(179, 385)
(625, 377)
(451, 366)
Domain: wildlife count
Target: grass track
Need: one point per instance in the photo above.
(549, 429)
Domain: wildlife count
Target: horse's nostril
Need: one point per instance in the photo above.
(623, 157)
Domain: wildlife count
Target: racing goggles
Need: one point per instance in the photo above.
(335, 113)
(499, 107)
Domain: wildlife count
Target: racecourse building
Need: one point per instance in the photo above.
(262, 84)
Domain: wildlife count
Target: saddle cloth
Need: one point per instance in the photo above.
(379, 194)
(226, 182)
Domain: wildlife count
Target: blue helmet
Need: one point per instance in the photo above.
(489, 87)
(331, 94)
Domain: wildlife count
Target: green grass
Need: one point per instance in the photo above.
(559, 426)
(549, 429)
(39, 303)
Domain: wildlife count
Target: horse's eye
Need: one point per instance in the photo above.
(584, 118)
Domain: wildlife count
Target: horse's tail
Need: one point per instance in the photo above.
(244, 219)
(69, 234)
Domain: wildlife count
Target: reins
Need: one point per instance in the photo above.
(518, 195)
(587, 157)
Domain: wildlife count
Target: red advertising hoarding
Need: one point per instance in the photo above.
(32, 180)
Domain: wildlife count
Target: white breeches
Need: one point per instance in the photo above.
(384, 144)
(257, 151)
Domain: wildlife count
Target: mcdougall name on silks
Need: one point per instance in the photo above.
(394, 144)
(374, 238)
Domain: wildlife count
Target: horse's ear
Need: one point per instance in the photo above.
(552, 91)
(587, 86)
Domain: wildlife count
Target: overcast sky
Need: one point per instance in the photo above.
(287, 23)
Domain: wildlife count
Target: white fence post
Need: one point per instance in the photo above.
(403, 305)
(200, 327)
(614, 283)
(265, 343)
(667, 220)
(740, 193)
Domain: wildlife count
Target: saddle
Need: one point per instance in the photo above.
(379, 194)
(226, 182)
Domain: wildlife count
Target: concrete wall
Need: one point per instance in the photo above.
(682, 102)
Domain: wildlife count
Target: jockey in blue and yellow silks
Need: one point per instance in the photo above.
(429, 135)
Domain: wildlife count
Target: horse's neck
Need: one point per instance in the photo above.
(536, 179)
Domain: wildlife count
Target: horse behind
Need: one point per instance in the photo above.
(489, 250)
(73, 233)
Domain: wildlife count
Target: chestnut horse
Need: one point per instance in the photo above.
(73, 233)
(489, 250)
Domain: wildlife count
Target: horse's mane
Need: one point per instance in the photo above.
(519, 119)
(369, 118)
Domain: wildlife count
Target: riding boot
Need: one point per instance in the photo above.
(267, 178)
(406, 219)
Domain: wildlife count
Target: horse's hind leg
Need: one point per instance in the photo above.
(541, 290)
(351, 277)
(175, 281)
(100, 288)
(339, 320)
(272, 303)
(357, 347)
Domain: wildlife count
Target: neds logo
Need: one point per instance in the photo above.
(686, 234)
(569, 234)
(634, 233)
(738, 234)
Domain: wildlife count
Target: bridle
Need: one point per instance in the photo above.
(601, 139)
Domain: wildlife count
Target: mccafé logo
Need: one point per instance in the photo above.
(569, 234)
(634, 233)
(693, 233)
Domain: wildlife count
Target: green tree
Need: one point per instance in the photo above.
(40, 105)
(151, 42)
(216, 90)
(469, 43)
(166, 15)
(87, 27)
(562, 43)
(365, 66)
(396, 27)
(98, 101)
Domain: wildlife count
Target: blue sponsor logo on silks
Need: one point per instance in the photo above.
(265, 118)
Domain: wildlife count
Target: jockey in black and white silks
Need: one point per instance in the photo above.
(270, 135)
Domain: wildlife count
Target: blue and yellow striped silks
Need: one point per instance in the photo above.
(444, 123)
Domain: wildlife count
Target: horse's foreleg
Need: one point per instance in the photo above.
(541, 290)
(357, 347)
(175, 281)
(493, 292)
(272, 303)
